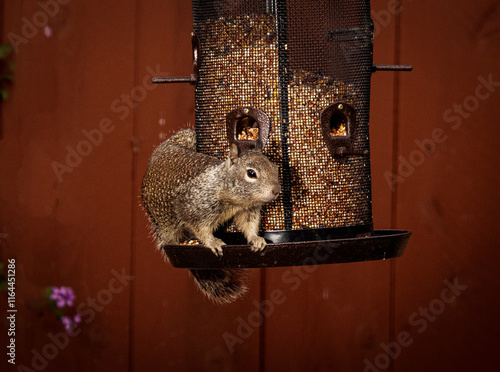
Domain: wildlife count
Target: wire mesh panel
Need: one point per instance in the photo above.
(294, 75)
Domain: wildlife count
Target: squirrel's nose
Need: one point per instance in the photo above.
(276, 189)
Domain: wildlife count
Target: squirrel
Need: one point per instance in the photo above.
(187, 193)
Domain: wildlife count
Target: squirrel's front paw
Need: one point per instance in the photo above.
(258, 243)
(216, 246)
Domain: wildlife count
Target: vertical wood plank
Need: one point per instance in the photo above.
(446, 282)
(69, 226)
(175, 327)
(334, 317)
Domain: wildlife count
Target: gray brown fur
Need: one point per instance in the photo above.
(189, 193)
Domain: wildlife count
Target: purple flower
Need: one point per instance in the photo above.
(67, 322)
(48, 31)
(70, 324)
(77, 318)
(63, 296)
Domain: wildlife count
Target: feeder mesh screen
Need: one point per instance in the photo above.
(292, 60)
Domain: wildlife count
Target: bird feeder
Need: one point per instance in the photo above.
(295, 76)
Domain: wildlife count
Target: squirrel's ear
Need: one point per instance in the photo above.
(259, 146)
(234, 152)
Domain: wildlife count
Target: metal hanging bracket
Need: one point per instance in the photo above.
(192, 78)
(376, 67)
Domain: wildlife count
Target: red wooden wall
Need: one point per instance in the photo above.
(76, 220)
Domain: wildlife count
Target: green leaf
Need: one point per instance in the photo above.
(47, 292)
(8, 76)
(5, 50)
(3, 94)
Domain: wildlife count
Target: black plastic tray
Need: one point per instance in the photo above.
(383, 244)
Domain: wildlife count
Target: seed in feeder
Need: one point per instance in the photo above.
(249, 134)
(190, 242)
(340, 131)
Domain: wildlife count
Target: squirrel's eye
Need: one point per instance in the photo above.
(251, 173)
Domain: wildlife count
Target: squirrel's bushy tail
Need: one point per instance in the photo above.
(222, 286)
